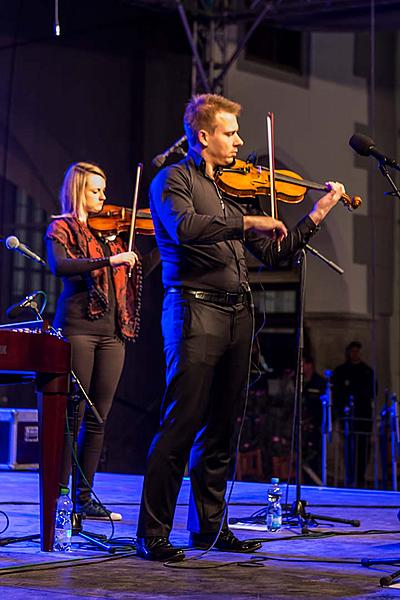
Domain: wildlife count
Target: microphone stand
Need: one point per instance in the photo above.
(76, 397)
(176, 148)
(394, 439)
(384, 170)
(326, 426)
(349, 444)
(298, 508)
(394, 426)
(385, 423)
(324, 259)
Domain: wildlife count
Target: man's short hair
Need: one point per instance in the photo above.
(201, 111)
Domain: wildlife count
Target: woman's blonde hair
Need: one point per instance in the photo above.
(72, 193)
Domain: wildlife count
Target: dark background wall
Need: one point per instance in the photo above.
(111, 90)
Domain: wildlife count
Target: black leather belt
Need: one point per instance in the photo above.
(222, 298)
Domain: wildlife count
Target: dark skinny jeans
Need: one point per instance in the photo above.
(97, 361)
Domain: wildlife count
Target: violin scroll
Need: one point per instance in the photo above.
(351, 202)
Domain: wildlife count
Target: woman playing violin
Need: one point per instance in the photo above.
(98, 311)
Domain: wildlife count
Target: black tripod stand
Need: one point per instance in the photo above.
(77, 396)
(387, 579)
(298, 508)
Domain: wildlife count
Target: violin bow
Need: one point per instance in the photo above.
(131, 241)
(271, 156)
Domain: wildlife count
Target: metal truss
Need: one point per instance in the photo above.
(207, 24)
(208, 39)
(233, 10)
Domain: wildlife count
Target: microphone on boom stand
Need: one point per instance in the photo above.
(365, 146)
(159, 160)
(13, 243)
(27, 302)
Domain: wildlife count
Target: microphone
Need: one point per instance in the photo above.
(13, 243)
(13, 310)
(159, 160)
(364, 145)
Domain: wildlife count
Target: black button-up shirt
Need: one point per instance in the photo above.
(200, 233)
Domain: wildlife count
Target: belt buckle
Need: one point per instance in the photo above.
(229, 298)
(232, 298)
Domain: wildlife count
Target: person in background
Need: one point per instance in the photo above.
(353, 387)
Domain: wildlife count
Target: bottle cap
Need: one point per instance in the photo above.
(64, 491)
(274, 479)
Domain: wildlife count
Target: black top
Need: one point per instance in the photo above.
(71, 315)
(356, 380)
(200, 233)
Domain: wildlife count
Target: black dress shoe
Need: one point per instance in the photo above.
(158, 548)
(227, 542)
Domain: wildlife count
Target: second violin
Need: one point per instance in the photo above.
(114, 219)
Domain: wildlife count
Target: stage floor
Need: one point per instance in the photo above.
(289, 565)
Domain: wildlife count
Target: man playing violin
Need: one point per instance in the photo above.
(207, 326)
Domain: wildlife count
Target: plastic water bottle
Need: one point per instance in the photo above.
(63, 528)
(274, 510)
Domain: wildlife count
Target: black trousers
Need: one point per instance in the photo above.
(207, 350)
(97, 361)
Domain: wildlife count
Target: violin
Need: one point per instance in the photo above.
(114, 219)
(245, 182)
